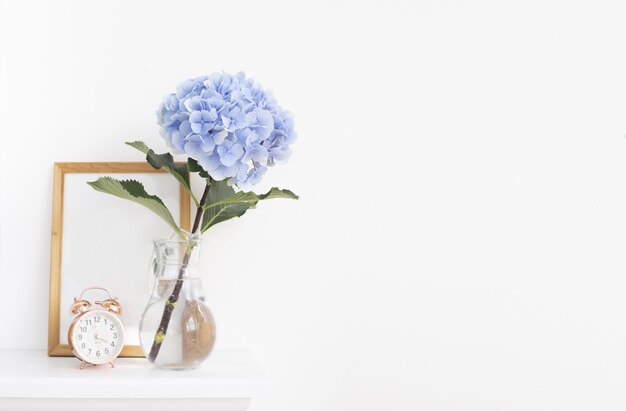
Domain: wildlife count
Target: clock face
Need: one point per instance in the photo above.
(97, 336)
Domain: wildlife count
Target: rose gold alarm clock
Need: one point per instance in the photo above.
(96, 335)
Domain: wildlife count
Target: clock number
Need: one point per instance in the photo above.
(80, 336)
(105, 321)
(89, 349)
(114, 335)
(88, 322)
(82, 345)
(96, 319)
(97, 353)
(113, 344)
(106, 350)
(83, 329)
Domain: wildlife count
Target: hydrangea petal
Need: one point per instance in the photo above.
(257, 154)
(219, 136)
(229, 154)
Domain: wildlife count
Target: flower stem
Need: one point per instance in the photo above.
(159, 336)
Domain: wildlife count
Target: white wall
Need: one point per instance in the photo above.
(459, 244)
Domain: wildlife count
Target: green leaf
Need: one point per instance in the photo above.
(276, 192)
(224, 203)
(249, 198)
(252, 198)
(166, 161)
(139, 145)
(134, 191)
(218, 191)
(194, 167)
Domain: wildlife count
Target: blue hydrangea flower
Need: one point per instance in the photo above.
(229, 124)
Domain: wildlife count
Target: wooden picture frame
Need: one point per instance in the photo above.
(55, 346)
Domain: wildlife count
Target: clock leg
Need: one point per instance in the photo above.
(82, 364)
(112, 364)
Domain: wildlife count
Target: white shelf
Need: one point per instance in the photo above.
(30, 380)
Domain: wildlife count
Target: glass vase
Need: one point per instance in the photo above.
(177, 330)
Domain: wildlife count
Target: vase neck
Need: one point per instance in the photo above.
(173, 259)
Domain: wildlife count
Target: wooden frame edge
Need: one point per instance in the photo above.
(55, 348)
(64, 350)
(54, 308)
